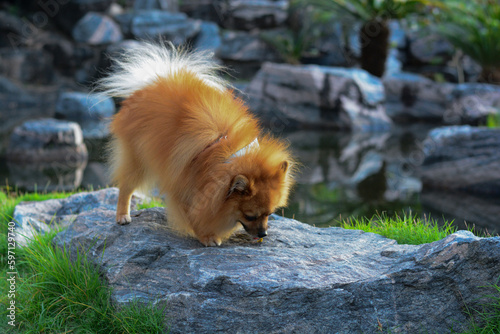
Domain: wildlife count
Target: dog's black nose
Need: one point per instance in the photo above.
(262, 234)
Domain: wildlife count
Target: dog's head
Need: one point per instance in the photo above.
(256, 195)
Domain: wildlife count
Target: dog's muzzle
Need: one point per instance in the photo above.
(261, 233)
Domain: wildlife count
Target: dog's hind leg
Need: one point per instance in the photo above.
(123, 206)
(128, 174)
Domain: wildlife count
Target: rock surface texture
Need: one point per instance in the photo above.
(301, 279)
(288, 96)
(462, 158)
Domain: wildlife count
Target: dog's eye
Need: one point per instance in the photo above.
(250, 218)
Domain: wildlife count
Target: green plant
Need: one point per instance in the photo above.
(374, 15)
(493, 120)
(406, 229)
(473, 27)
(298, 40)
(289, 44)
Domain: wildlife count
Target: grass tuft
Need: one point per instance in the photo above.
(406, 229)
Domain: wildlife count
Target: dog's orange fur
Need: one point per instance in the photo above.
(179, 133)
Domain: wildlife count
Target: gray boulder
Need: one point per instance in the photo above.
(46, 155)
(97, 29)
(472, 103)
(412, 96)
(462, 158)
(92, 111)
(241, 46)
(287, 96)
(416, 97)
(47, 140)
(153, 24)
(428, 47)
(261, 14)
(301, 279)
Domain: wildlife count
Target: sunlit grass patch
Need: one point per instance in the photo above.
(405, 229)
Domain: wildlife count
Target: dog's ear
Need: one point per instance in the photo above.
(284, 166)
(240, 184)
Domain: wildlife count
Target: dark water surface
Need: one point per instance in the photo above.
(342, 175)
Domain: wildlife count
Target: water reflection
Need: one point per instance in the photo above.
(346, 174)
(465, 210)
(46, 177)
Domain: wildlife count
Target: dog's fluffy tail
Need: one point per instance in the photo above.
(141, 66)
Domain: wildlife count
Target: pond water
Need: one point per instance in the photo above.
(342, 175)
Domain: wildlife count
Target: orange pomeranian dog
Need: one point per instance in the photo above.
(182, 129)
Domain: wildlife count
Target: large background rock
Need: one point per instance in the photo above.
(462, 158)
(414, 97)
(262, 14)
(47, 141)
(287, 96)
(472, 103)
(300, 279)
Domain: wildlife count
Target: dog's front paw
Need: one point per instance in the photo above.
(211, 240)
(123, 219)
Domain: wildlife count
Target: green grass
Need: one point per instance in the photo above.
(406, 229)
(57, 293)
(473, 27)
(152, 203)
